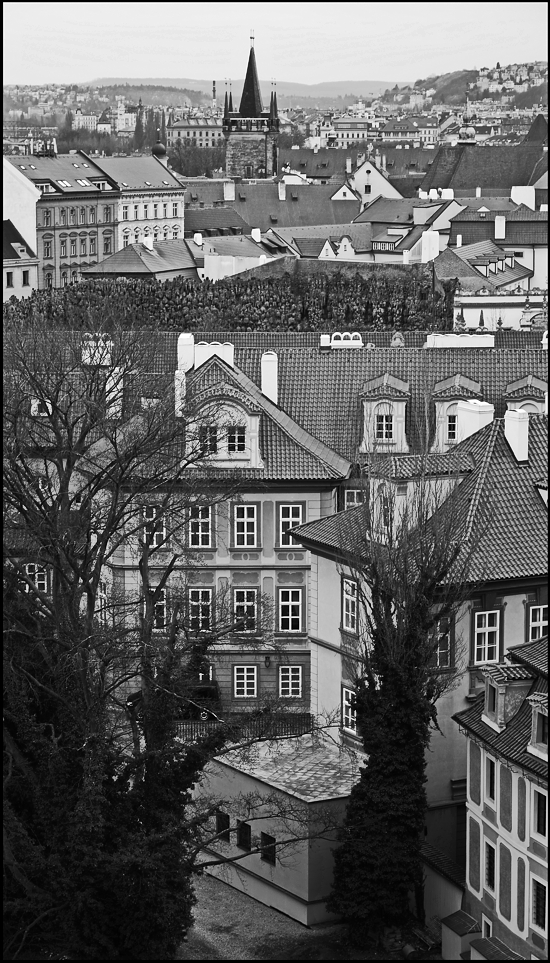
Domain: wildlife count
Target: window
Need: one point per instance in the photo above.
(200, 526)
(268, 848)
(175, 233)
(208, 439)
(540, 815)
(165, 210)
(290, 681)
(74, 277)
(223, 826)
(145, 211)
(64, 279)
(101, 601)
(72, 215)
(63, 249)
(106, 213)
(82, 246)
(349, 605)
(490, 863)
(38, 575)
(486, 928)
(200, 610)
(245, 607)
(49, 281)
(73, 247)
(236, 439)
(155, 210)
(244, 835)
(290, 610)
(26, 281)
(124, 212)
(82, 215)
(491, 698)
(486, 631)
(106, 245)
(126, 240)
(538, 904)
(384, 427)
(159, 608)
(136, 212)
(541, 730)
(490, 779)
(47, 249)
(92, 215)
(175, 209)
(93, 247)
(246, 528)
(63, 216)
(47, 219)
(441, 657)
(155, 527)
(289, 517)
(9, 279)
(349, 714)
(538, 621)
(245, 685)
(353, 497)
(452, 423)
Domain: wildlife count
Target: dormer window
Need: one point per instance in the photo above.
(236, 439)
(491, 699)
(208, 439)
(384, 423)
(538, 745)
(452, 424)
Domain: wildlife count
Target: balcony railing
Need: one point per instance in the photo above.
(243, 726)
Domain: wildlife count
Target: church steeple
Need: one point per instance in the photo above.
(251, 100)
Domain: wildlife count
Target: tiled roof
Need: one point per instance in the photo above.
(522, 226)
(461, 923)
(472, 252)
(538, 131)
(63, 167)
(11, 236)
(137, 259)
(240, 246)
(324, 163)
(443, 864)
(506, 673)
(532, 654)
(142, 173)
(309, 772)
(360, 235)
(395, 210)
(310, 246)
(492, 948)
(511, 744)
(214, 219)
(468, 167)
(260, 206)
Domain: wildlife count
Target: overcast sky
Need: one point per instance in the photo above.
(306, 43)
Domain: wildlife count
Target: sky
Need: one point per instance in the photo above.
(305, 43)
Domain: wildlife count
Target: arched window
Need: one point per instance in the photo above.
(166, 233)
(451, 424)
(383, 422)
(82, 215)
(126, 238)
(74, 277)
(49, 280)
(64, 279)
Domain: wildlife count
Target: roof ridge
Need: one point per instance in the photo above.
(484, 468)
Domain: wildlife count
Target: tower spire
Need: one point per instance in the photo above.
(251, 100)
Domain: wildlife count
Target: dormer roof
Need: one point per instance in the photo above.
(458, 386)
(386, 386)
(501, 674)
(528, 387)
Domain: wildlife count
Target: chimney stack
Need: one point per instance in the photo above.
(270, 376)
(473, 416)
(500, 227)
(148, 242)
(516, 432)
(256, 234)
(197, 238)
(478, 191)
(282, 190)
(348, 165)
(229, 190)
(459, 240)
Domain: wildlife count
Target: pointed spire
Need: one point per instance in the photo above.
(275, 109)
(251, 100)
(230, 102)
(226, 108)
(271, 117)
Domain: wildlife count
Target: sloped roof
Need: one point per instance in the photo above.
(139, 260)
(63, 167)
(214, 219)
(143, 173)
(522, 226)
(468, 167)
(538, 131)
(395, 210)
(324, 163)
(260, 206)
(443, 864)
(360, 235)
(472, 253)
(532, 654)
(11, 236)
(449, 265)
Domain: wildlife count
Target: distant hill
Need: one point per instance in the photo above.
(449, 88)
(329, 88)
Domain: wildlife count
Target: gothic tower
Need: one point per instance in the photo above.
(251, 133)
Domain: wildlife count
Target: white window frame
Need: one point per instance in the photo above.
(245, 600)
(154, 522)
(539, 624)
(486, 844)
(175, 211)
(537, 790)
(160, 609)
(245, 681)
(38, 574)
(245, 520)
(489, 761)
(481, 643)
(533, 878)
(200, 526)
(353, 497)
(289, 601)
(383, 426)
(290, 681)
(101, 601)
(200, 609)
(290, 516)
(486, 927)
(349, 712)
(451, 424)
(440, 650)
(236, 439)
(350, 606)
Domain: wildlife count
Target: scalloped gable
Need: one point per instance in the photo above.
(224, 390)
(458, 386)
(386, 386)
(528, 387)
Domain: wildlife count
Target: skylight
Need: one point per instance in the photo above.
(75, 165)
(64, 183)
(85, 165)
(166, 182)
(148, 183)
(124, 184)
(32, 167)
(22, 166)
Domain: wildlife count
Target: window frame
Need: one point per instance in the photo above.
(290, 669)
(47, 249)
(223, 826)
(291, 603)
(348, 716)
(490, 776)
(235, 439)
(26, 279)
(200, 608)
(209, 441)
(199, 522)
(154, 526)
(107, 244)
(537, 791)
(281, 507)
(40, 573)
(246, 604)
(349, 613)
(449, 635)
(254, 508)
(244, 835)
(537, 881)
(268, 848)
(245, 682)
(531, 623)
(355, 503)
(160, 609)
(9, 279)
(477, 630)
(490, 867)
(93, 246)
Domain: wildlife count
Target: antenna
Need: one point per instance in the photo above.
(252, 37)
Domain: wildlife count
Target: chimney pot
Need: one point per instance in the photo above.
(270, 376)
(516, 432)
(197, 238)
(256, 234)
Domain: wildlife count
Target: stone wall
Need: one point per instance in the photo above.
(251, 154)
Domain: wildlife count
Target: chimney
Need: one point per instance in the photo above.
(473, 416)
(148, 242)
(383, 162)
(186, 351)
(500, 227)
(478, 191)
(270, 376)
(282, 190)
(348, 165)
(197, 239)
(516, 432)
(256, 234)
(229, 190)
(459, 240)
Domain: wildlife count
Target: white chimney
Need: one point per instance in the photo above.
(348, 165)
(282, 190)
(148, 242)
(256, 234)
(473, 416)
(186, 351)
(383, 162)
(433, 194)
(197, 238)
(459, 240)
(478, 191)
(516, 432)
(270, 376)
(229, 190)
(500, 227)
